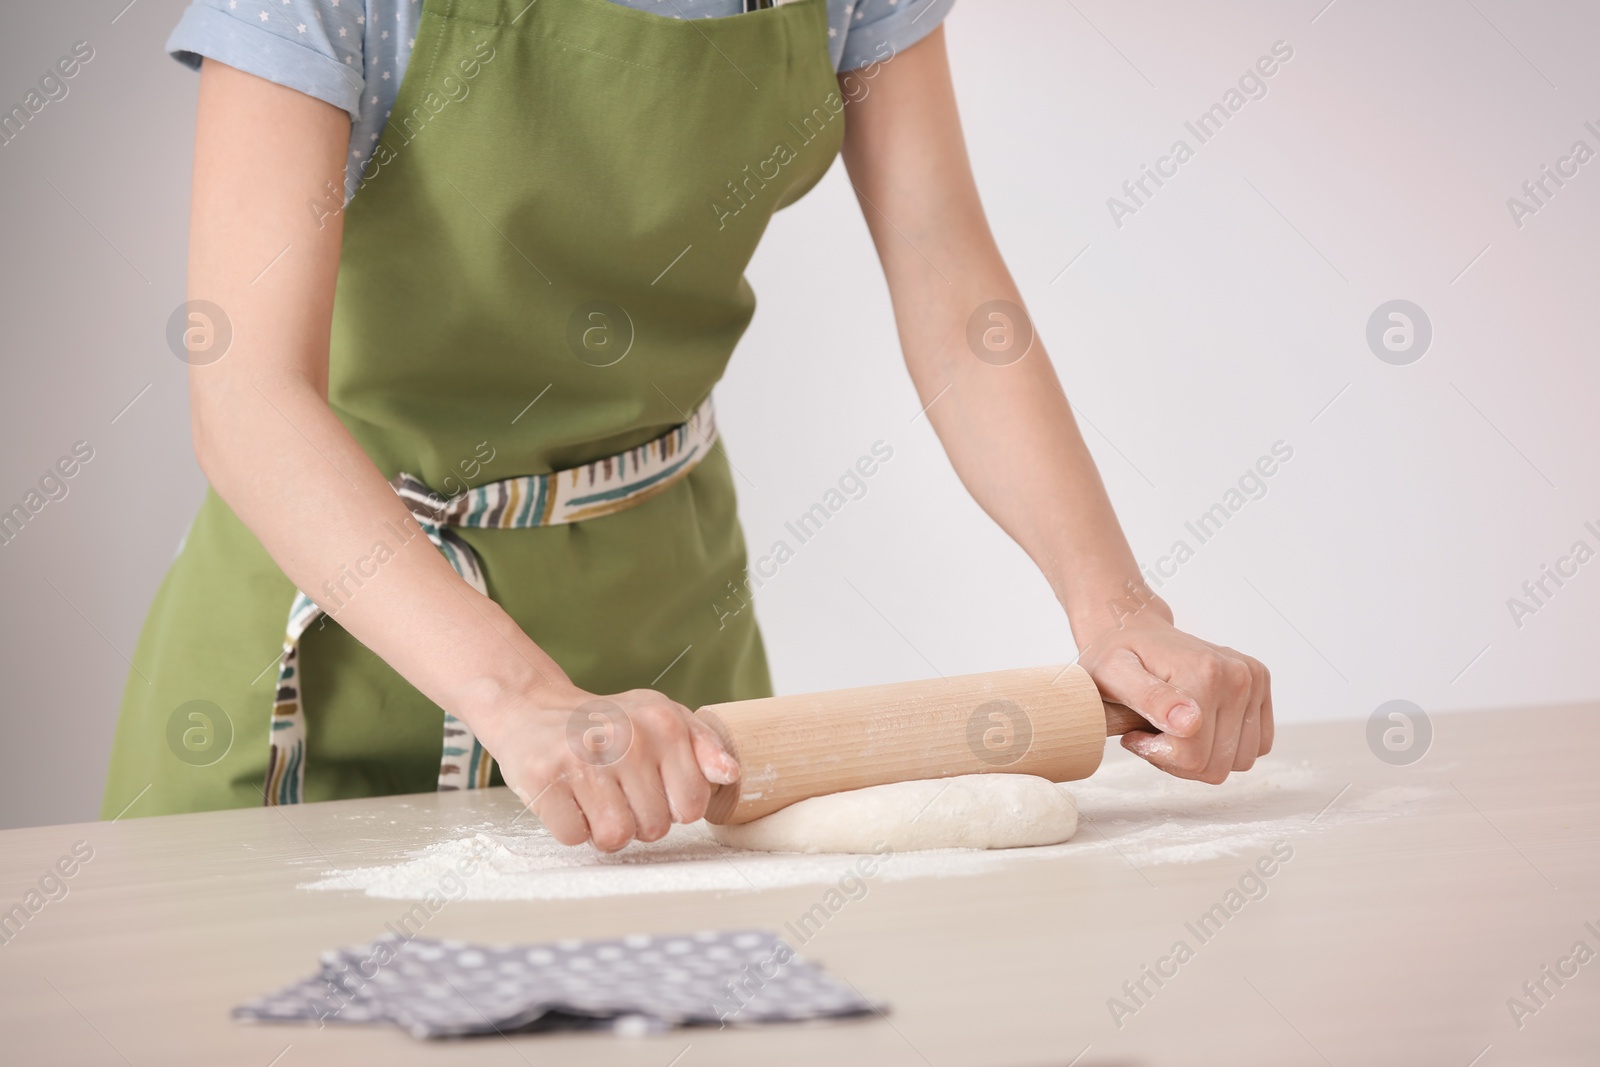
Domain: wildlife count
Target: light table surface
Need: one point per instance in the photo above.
(1395, 934)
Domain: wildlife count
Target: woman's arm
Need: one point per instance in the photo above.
(1009, 431)
(274, 450)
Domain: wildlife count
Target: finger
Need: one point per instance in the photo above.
(716, 762)
(1244, 757)
(688, 792)
(666, 750)
(1152, 748)
(1122, 677)
(1231, 681)
(1268, 726)
(559, 813)
(1160, 751)
(647, 801)
(1179, 757)
(1182, 757)
(605, 808)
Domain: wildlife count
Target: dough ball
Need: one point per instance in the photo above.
(968, 811)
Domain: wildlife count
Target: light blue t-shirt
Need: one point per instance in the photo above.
(352, 53)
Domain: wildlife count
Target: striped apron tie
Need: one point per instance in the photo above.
(603, 487)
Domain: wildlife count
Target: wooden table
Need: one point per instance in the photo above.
(1393, 940)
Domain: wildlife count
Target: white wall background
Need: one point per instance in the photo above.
(1229, 313)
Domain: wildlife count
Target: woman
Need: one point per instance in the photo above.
(456, 417)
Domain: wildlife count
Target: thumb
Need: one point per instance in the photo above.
(1122, 677)
(715, 762)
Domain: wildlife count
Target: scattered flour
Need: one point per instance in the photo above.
(533, 866)
(1147, 817)
(1152, 818)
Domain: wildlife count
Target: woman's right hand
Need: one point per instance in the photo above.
(608, 769)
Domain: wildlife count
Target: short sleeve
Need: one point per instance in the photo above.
(314, 46)
(879, 29)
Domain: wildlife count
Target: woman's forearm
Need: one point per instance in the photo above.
(264, 433)
(1005, 424)
(1011, 437)
(292, 472)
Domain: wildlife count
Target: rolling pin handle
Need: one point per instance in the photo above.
(1121, 719)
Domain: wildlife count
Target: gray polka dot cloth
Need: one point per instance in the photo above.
(638, 984)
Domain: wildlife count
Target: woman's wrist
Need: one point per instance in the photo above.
(490, 701)
(1115, 601)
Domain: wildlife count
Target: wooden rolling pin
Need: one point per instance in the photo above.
(1047, 721)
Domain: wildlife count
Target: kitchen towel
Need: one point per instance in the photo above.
(638, 984)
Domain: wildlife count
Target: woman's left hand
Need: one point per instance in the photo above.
(1213, 705)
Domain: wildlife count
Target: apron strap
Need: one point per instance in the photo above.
(602, 487)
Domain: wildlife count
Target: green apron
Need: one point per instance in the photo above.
(559, 214)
